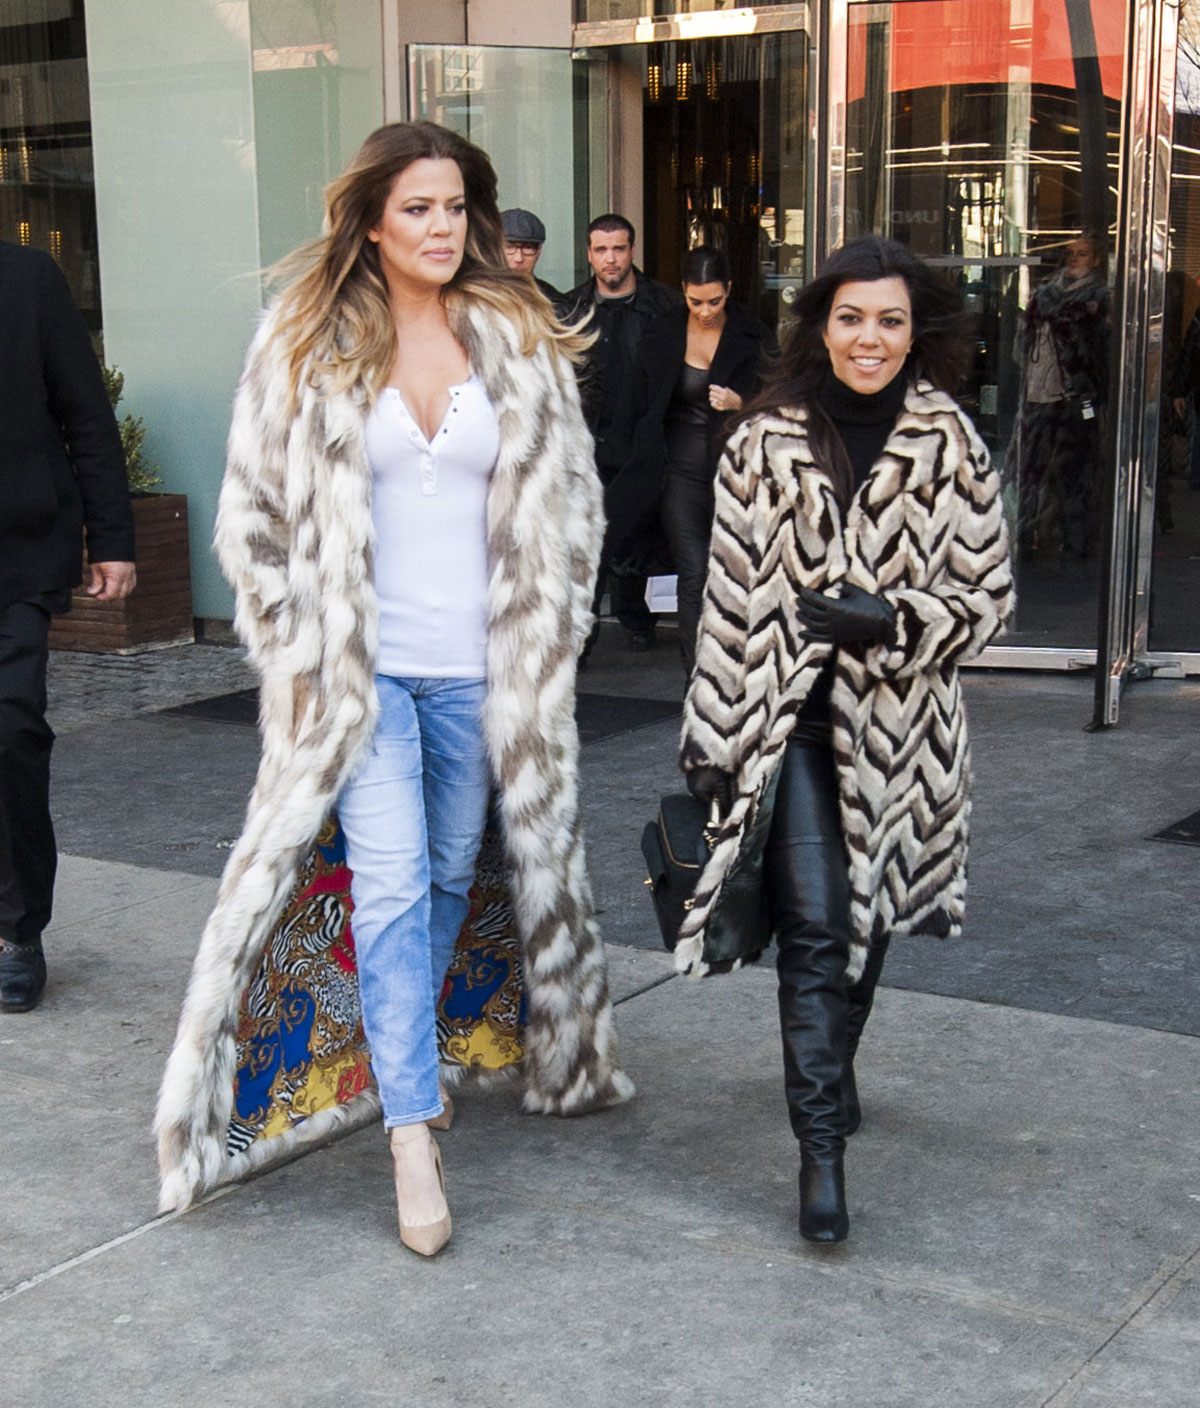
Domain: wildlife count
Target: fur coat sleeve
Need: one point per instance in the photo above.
(926, 531)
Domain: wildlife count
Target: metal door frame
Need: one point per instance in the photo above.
(1143, 203)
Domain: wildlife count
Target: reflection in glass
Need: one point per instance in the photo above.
(47, 189)
(985, 137)
(318, 91)
(1175, 575)
(535, 114)
(1055, 453)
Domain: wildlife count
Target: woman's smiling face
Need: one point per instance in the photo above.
(869, 332)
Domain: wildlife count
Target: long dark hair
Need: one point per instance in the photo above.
(941, 349)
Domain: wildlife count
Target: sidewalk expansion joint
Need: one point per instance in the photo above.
(51, 1272)
(648, 987)
(1161, 1288)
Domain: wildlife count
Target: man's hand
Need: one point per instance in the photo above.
(110, 581)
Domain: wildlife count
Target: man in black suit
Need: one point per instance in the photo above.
(61, 468)
(623, 302)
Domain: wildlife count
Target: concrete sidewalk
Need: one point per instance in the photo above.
(1024, 1193)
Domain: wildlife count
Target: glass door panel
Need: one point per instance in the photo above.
(1174, 621)
(47, 185)
(983, 134)
(540, 119)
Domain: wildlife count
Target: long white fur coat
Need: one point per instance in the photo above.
(926, 530)
(294, 536)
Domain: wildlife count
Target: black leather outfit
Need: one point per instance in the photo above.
(686, 507)
(821, 1018)
(670, 405)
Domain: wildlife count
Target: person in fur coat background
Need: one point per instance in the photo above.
(412, 521)
(859, 555)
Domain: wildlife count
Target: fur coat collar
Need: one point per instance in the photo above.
(927, 531)
(294, 536)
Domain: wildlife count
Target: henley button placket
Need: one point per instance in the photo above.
(428, 471)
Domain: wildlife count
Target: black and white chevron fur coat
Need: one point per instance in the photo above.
(927, 531)
(294, 536)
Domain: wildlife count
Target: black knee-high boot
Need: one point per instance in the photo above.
(812, 1020)
(861, 999)
(806, 870)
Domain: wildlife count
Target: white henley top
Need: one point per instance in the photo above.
(429, 507)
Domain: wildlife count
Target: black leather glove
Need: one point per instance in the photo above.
(707, 783)
(853, 615)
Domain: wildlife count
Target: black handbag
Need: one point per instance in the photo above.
(676, 846)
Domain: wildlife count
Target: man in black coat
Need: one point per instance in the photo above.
(61, 468)
(623, 303)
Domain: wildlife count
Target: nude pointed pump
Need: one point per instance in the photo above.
(424, 1238)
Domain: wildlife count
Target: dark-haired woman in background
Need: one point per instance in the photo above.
(696, 365)
(858, 557)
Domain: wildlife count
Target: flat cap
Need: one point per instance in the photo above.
(523, 226)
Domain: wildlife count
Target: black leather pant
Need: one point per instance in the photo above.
(809, 888)
(686, 516)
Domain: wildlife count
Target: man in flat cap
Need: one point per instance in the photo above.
(524, 236)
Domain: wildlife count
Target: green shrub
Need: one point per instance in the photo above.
(142, 475)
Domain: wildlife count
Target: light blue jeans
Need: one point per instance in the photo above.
(413, 815)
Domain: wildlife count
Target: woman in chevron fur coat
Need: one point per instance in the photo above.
(412, 520)
(859, 555)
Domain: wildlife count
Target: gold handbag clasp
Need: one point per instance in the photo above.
(713, 825)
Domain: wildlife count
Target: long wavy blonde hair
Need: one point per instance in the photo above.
(334, 305)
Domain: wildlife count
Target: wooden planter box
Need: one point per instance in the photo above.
(159, 613)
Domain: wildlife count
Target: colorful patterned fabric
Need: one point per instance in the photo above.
(300, 1042)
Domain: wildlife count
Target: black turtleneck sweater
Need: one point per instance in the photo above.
(864, 423)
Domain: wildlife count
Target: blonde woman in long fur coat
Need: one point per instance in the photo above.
(412, 520)
(858, 557)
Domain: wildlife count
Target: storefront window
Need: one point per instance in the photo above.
(535, 116)
(47, 188)
(985, 137)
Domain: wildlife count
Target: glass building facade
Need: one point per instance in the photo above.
(167, 155)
